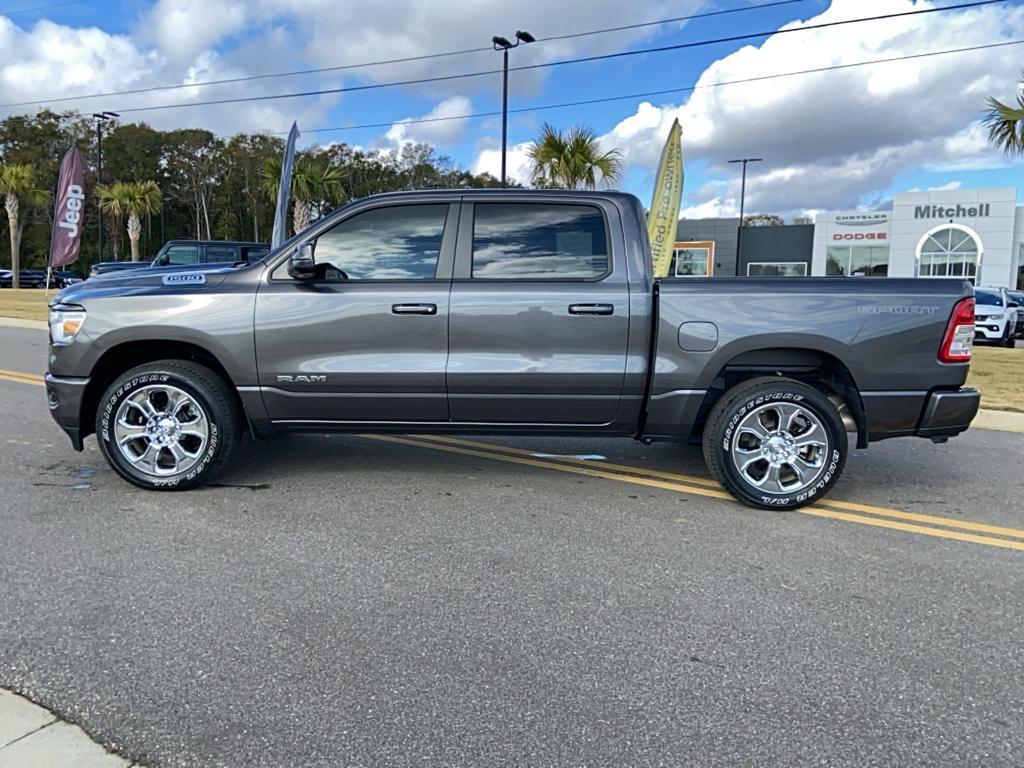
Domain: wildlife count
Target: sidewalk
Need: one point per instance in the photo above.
(33, 736)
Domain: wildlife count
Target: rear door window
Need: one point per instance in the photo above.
(539, 241)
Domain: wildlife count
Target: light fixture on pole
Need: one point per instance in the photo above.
(743, 195)
(100, 118)
(502, 44)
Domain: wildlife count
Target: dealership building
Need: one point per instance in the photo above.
(977, 234)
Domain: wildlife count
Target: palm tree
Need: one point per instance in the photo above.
(132, 199)
(313, 182)
(572, 160)
(18, 183)
(1006, 123)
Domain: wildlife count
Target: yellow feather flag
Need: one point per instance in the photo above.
(668, 189)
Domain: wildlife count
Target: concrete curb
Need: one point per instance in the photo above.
(33, 736)
(16, 322)
(1004, 421)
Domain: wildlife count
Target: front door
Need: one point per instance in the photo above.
(367, 340)
(539, 316)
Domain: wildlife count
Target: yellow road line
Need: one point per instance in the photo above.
(21, 378)
(706, 481)
(941, 533)
(814, 511)
(587, 471)
(849, 506)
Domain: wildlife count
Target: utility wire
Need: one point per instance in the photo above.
(404, 60)
(602, 57)
(42, 7)
(644, 94)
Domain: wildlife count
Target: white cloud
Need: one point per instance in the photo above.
(184, 28)
(834, 139)
(188, 41)
(517, 163)
(446, 131)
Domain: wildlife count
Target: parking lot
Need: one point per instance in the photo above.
(364, 600)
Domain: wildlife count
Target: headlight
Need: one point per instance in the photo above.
(65, 323)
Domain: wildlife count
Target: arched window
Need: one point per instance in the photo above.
(949, 251)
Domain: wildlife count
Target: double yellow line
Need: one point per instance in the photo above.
(21, 378)
(846, 511)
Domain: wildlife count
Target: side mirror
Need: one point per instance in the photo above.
(163, 260)
(1012, 305)
(301, 265)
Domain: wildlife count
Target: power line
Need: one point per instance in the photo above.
(383, 62)
(659, 49)
(666, 91)
(42, 7)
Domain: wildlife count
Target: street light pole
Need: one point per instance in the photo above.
(100, 118)
(743, 195)
(502, 44)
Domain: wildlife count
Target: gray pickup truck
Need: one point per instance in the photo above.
(505, 312)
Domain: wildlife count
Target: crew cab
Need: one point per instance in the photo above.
(505, 312)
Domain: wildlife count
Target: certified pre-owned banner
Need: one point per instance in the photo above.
(69, 213)
(668, 189)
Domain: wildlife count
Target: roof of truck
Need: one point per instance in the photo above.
(510, 192)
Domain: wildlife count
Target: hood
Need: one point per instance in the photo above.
(185, 279)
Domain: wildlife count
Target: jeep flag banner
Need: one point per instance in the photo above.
(69, 213)
(668, 190)
(283, 189)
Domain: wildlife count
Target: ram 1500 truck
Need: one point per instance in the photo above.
(505, 312)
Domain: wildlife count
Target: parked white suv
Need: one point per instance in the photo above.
(995, 316)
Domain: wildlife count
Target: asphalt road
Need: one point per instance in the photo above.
(353, 601)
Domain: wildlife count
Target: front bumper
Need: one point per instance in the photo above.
(948, 413)
(990, 331)
(64, 397)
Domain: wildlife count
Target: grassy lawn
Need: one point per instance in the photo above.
(997, 372)
(24, 303)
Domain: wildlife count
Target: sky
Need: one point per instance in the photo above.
(838, 139)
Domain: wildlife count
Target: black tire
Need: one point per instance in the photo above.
(759, 394)
(217, 405)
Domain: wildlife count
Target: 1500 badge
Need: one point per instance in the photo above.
(185, 278)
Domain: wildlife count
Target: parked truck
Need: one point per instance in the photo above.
(505, 312)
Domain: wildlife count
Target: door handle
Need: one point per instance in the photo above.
(414, 309)
(591, 309)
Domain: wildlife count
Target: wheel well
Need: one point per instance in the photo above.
(821, 370)
(123, 357)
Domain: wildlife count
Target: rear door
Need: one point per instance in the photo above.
(539, 313)
(367, 340)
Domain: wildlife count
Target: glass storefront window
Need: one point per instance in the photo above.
(777, 269)
(949, 252)
(870, 260)
(692, 259)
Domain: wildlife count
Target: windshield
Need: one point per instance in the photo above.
(988, 297)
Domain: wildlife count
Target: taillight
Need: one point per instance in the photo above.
(959, 339)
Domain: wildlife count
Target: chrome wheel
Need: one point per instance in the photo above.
(161, 430)
(780, 448)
